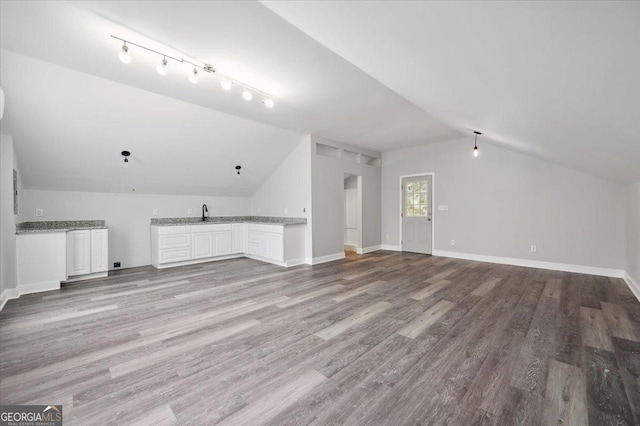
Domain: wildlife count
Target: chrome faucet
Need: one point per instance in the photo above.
(204, 209)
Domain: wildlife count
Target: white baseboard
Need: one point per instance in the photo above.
(8, 294)
(367, 249)
(39, 287)
(581, 269)
(295, 262)
(87, 277)
(634, 286)
(390, 247)
(327, 258)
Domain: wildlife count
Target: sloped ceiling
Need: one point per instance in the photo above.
(65, 48)
(558, 80)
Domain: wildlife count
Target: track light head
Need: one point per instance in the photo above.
(163, 67)
(125, 57)
(226, 84)
(193, 77)
(247, 95)
(268, 103)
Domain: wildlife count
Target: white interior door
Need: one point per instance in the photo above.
(417, 196)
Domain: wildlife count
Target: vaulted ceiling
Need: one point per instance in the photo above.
(559, 81)
(556, 79)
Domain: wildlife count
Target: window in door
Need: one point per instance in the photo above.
(416, 202)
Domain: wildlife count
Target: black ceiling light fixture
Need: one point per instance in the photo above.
(238, 169)
(475, 148)
(126, 155)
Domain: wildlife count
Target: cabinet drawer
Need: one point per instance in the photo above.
(174, 241)
(211, 228)
(167, 230)
(175, 255)
(272, 229)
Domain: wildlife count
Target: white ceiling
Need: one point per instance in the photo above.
(558, 80)
(70, 128)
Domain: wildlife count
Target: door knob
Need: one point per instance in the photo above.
(429, 216)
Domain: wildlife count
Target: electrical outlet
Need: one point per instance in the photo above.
(39, 212)
(259, 210)
(116, 264)
(386, 236)
(534, 249)
(154, 212)
(453, 242)
(286, 211)
(189, 211)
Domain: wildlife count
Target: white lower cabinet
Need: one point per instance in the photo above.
(179, 245)
(78, 253)
(99, 250)
(87, 252)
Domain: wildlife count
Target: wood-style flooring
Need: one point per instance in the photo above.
(379, 339)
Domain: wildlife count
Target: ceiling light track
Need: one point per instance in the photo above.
(227, 82)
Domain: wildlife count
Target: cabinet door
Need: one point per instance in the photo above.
(78, 253)
(276, 247)
(239, 235)
(99, 250)
(221, 243)
(202, 245)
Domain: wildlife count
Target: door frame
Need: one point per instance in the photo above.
(433, 202)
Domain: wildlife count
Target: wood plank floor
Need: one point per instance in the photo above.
(379, 339)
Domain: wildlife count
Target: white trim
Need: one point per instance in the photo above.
(8, 294)
(39, 287)
(87, 277)
(390, 247)
(327, 258)
(633, 286)
(196, 261)
(351, 247)
(295, 262)
(433, 203)
(262, 259)
(368, 249)
(581, 269)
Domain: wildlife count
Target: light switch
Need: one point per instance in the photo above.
(443, 207)
(39, 212)
(189, 211)
(154, 212)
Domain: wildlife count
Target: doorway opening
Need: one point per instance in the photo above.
(352, 213)
(416, 213)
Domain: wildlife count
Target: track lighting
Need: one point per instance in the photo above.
(125, 58)
(193, 77)
(163, 67)
(475, 148)
(226, 82)
(126, 155)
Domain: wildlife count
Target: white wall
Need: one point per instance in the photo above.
(501, 203)
(287, 192)
(633, 233)
(127, 215)
(327, 181)
(351, 213)
(8, 162)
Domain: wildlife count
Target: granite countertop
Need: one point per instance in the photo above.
(176, 221)
(58, 226)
